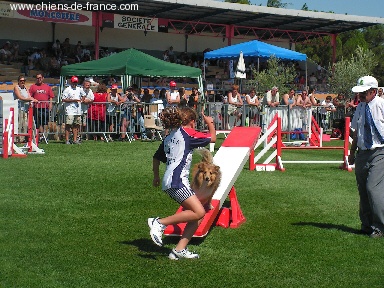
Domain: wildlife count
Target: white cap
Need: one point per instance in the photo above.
(365, 83)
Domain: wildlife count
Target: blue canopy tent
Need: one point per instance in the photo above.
(256, 49)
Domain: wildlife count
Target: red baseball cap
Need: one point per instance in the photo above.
(172, 84)
(114, 86)
(74, 79)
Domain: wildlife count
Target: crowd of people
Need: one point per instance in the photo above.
(50, 59)
(98, 111)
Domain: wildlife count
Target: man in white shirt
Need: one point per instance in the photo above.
(72, 105)
(86, 100)
(368, 138)
(380, 92)
(156, 100)
(272, 97)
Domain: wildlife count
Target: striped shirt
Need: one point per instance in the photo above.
(176, 150)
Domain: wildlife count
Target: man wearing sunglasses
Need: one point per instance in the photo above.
(368, 139)
(43, 94)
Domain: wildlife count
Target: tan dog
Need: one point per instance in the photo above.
(206, 178)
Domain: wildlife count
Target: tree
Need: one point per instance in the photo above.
(319, 50)
(276, 74)
(276, 4)
(305, 7)
(346, 72)
(374, 36)
(350, 40)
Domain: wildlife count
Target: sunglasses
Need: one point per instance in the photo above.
(22, 80)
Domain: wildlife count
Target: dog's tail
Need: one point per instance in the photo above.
(206, 155)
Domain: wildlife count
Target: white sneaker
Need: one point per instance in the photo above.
(185, 253)
(156, 230)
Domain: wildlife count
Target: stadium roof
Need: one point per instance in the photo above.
(270, 22)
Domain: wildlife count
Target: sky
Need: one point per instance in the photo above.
(372, 8)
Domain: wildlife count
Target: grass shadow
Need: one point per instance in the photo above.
(149, 249)
(330, 226)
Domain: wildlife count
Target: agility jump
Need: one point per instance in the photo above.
(9, 148)
(231, 157)
(273, 139)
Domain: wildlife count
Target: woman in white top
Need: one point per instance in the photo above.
(235, 103)
(21, 93)
(253, 104)
(173, 96)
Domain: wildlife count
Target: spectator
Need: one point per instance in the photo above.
(25, 66)
(138, 115)
(112, 106)
(21, 93)
(161, 81)
(380, 92)
(171, 54)
(304, 100)
(15, 50)
(166, 56)
(312, 97)
(78, 52)
(235, 104)
(289, 99)
(302, 83)
(193, 99)
(272, 97)
(86, 100)
(312, 81)
(351, 105)
(111, 81)
(218, 80)
(72, 104)
(96, 111)
(326, 107)
(183, 97)
(127, 101)
(253, 107)
(34, 59)
(86, 54)
(6, 54)
(44, 62)
(56, 49)
(163, 96)
(44, 95)
(173, 96)
(159, 103)
(339, 100)
(340, 104)
(315, 103)
(54, 67)
(146, 96)
(66, 48)
(155, 96)
(296, 80)
(225, 113)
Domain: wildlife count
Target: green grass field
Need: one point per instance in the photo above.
(77, 217)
